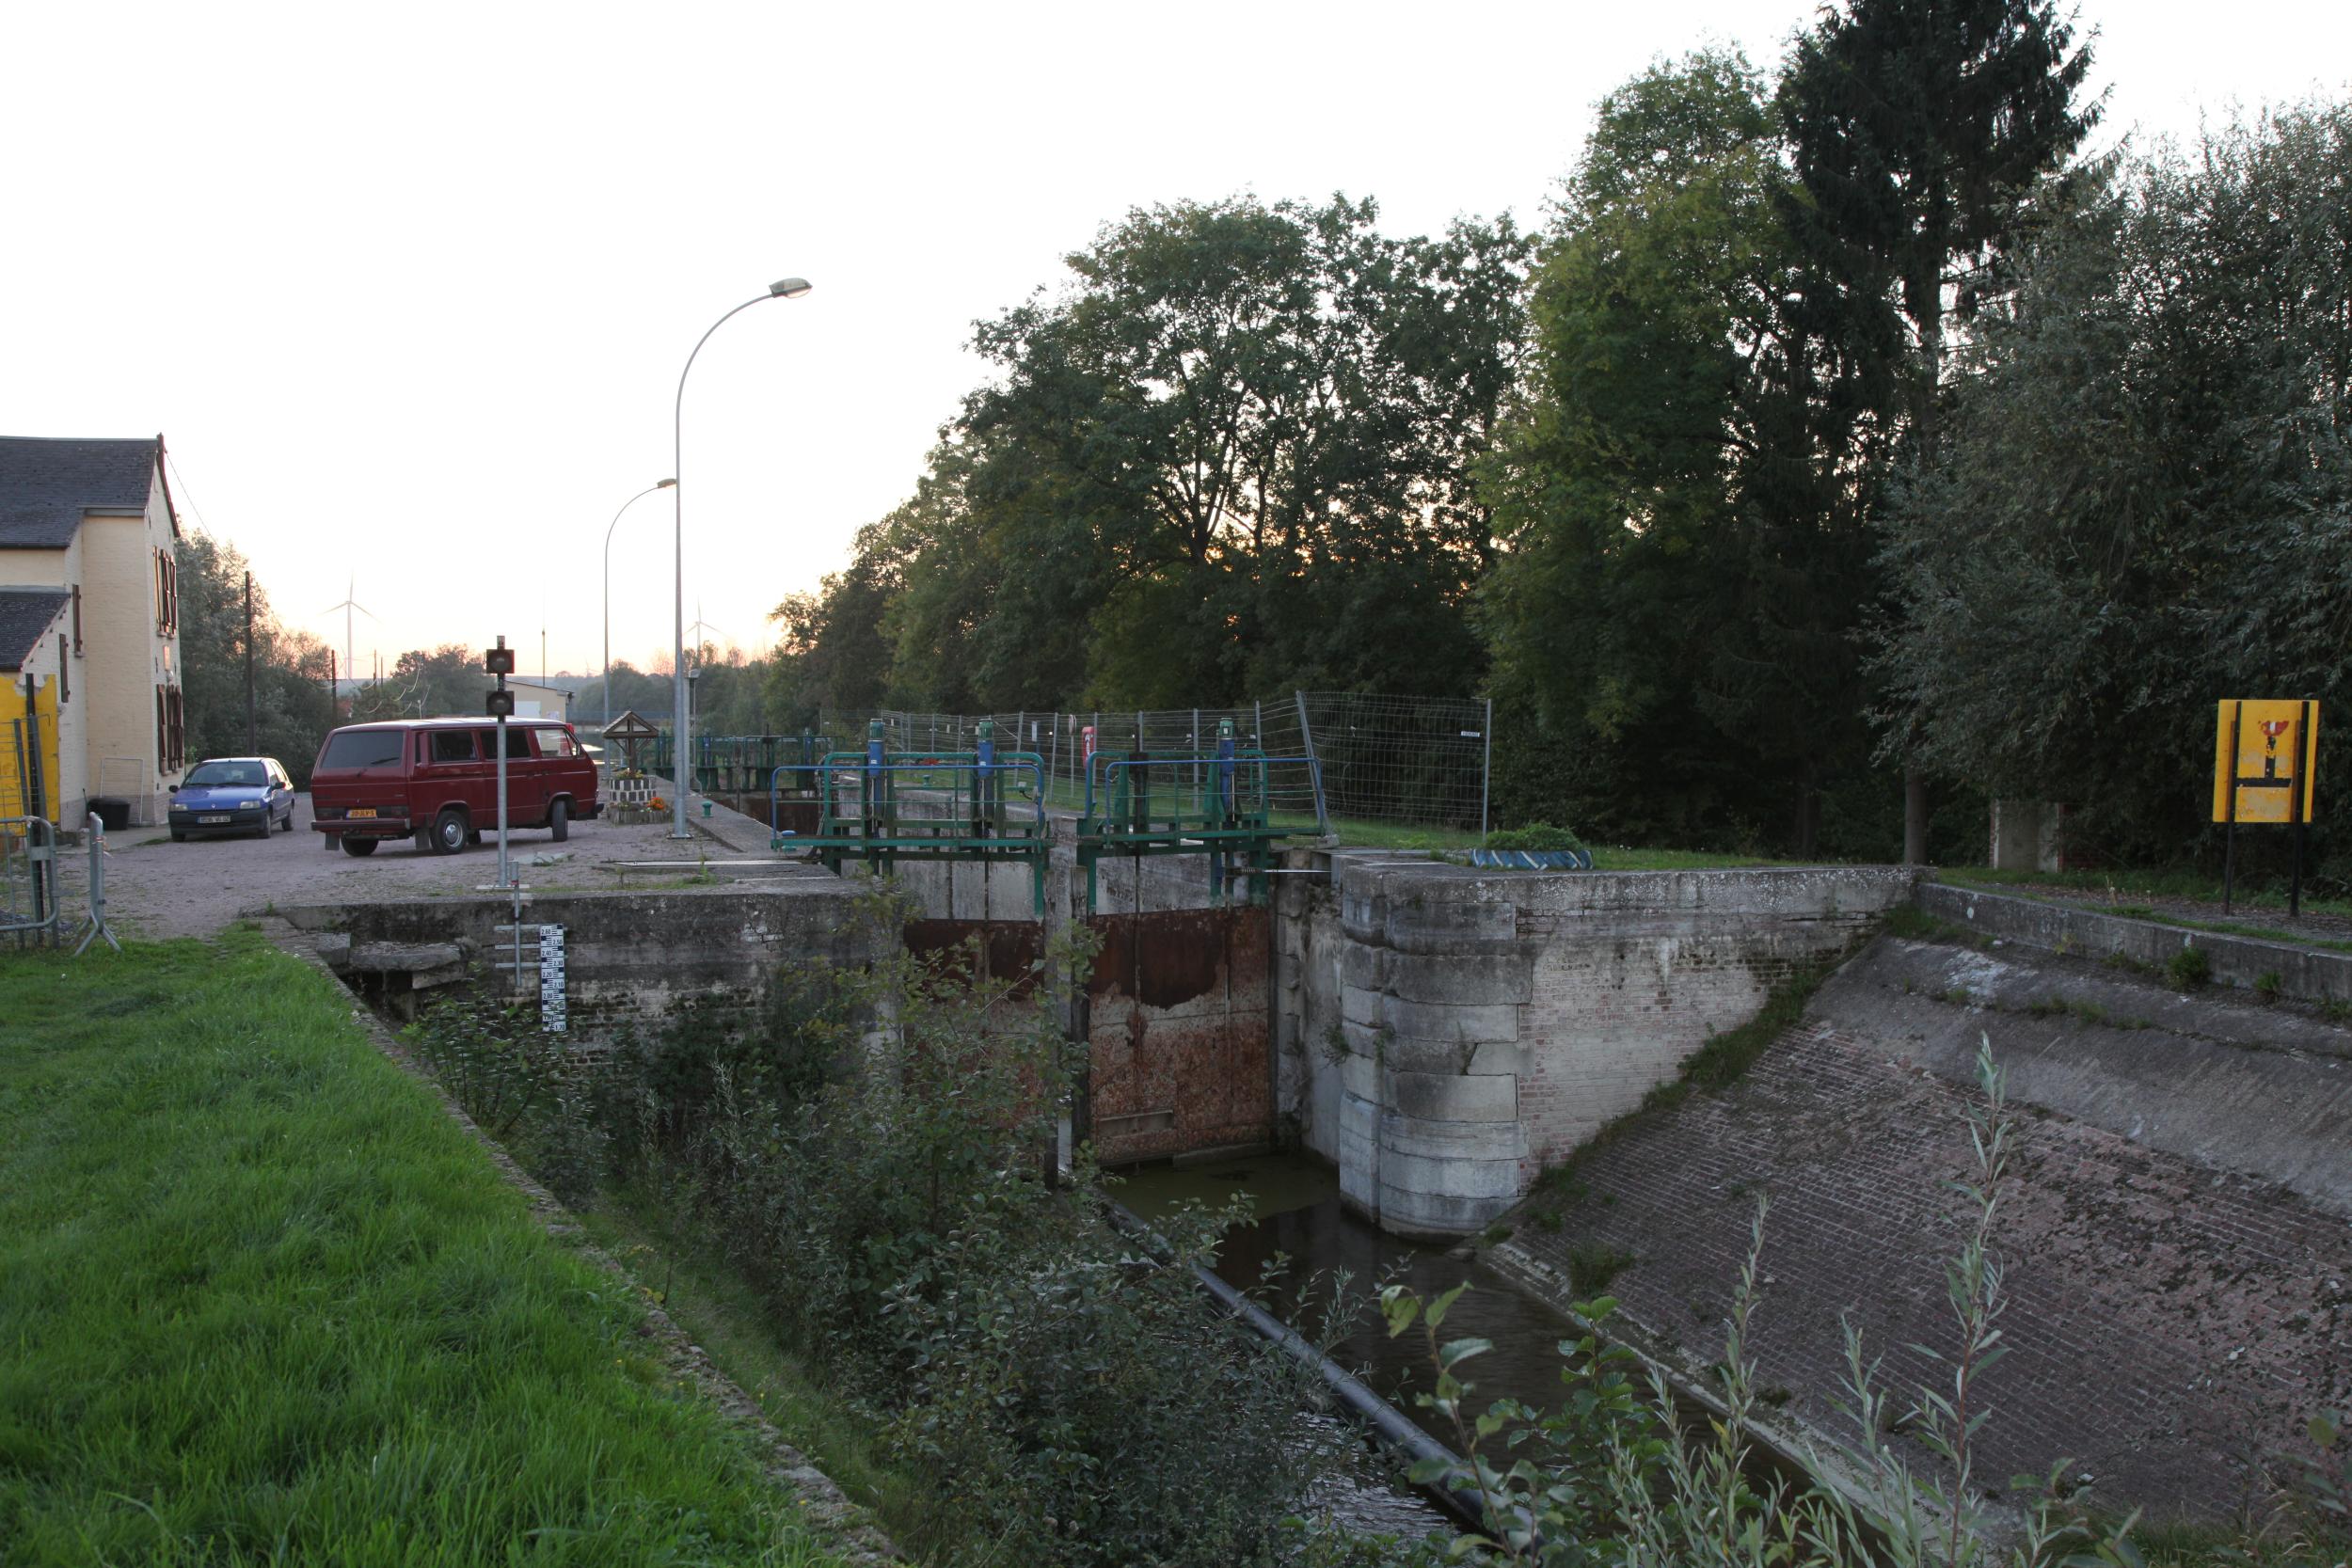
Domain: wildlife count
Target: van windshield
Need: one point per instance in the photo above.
(362, 749)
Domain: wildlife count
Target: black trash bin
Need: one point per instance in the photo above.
(113, 812)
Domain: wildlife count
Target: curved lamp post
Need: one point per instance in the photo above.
(662, 485)
(682, 724)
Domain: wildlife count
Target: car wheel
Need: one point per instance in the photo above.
(359, 846)
(449, 831)
(559, 820)
(178, 836)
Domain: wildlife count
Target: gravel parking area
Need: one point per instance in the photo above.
(158, 889)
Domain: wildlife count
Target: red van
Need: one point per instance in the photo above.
(436, 780)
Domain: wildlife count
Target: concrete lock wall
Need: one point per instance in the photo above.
(1447, 1032)
(629, 956)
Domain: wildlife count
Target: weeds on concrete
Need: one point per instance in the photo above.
(1623, 1480)
(1913, 924)
(1592, 1264)
(2190, 969)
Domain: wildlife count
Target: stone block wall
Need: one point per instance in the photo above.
(1446, 1032)
(632, 954)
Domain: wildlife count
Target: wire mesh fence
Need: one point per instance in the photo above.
(1419, 761)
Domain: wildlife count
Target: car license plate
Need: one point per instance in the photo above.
(362, 811)
(210, 819)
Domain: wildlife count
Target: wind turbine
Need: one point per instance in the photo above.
(702, 626)
(350, 603)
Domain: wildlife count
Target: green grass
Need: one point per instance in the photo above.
(2120, 887)
(2022, 884)
(1624, 858)
(724, 1313)
(263, 1302)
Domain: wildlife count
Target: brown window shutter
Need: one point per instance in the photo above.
(65, 673)
(77, 619)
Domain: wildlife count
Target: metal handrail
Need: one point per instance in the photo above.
(1256, 763)
(857, 764)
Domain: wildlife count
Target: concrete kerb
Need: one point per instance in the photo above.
(2303, 973)
(852, 1529)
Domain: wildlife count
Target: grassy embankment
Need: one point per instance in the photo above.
(263, 1301)
(2125, 888)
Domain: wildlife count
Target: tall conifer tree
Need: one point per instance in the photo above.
(1920, 129)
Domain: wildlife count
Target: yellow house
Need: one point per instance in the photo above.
(88, 544)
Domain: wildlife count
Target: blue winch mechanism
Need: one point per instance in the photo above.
(881, 807)
(1214, 803)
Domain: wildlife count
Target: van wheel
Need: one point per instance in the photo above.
(559, 820)
(359, 846)
(449, 831)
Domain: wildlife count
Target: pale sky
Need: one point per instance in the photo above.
(407, 290)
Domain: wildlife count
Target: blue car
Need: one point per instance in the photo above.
(232, 795)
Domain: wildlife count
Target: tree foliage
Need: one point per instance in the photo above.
(1685, 573)
(1234, 452)
(2145, 498)
(292, 708)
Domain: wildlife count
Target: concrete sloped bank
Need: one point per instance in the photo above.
(2177, 1262)
(2297, 972)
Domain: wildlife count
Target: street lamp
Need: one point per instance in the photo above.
(661, 485)
(682, 725)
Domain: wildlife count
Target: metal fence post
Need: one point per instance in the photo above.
(1487, 769)
(1314, 767)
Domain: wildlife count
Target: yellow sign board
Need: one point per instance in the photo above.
(19, 720)
(2265, 757)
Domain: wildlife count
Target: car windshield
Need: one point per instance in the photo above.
(223, 774)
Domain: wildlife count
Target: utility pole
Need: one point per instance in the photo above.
(499, 662)
(252, 720)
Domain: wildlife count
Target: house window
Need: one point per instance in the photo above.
(77, 620)
(167, 593)
(171, 730)
(65, 673)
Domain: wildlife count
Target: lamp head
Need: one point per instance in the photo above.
(790, 288)
(665, 484)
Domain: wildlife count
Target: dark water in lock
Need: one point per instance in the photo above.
(1296, 1200)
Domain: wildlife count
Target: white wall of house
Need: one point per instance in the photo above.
(128, 653)
(534, 700)
(68, 793)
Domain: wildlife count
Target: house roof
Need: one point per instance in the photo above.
(25, 615)
(47, 483)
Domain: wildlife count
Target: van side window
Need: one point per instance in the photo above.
(557, 743)
(518, 743)
(451, 745)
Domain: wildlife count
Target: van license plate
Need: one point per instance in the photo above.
(207, 820)
(361, 810)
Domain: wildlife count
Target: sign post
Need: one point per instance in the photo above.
(500, 661)
(2264, 755)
